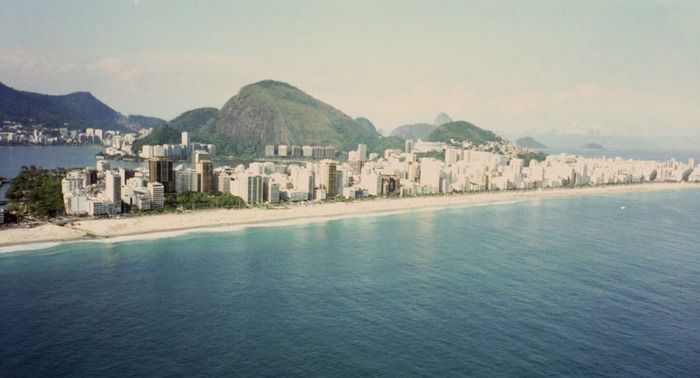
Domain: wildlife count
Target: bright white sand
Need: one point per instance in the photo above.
(141, 225)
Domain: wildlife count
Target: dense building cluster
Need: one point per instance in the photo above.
(312, 152)
(177, 151)
(116, 142)
(423, 168)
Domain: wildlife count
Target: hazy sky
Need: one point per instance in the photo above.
(613, 67)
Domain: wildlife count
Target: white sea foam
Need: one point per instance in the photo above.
(29, 247)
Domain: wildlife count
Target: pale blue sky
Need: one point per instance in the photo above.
(517, 67)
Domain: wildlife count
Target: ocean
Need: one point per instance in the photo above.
(605, 285)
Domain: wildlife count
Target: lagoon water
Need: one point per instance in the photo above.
(554, 287)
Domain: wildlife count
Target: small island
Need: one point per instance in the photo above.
(592, 147)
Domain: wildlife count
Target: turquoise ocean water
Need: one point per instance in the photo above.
(551, 287)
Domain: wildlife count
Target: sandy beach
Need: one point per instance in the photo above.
(150, 224)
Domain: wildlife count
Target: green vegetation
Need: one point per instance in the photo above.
(386, 143)
(271, 112)
(529, 142)
(162, 134)
(414, 132)
(77, 110)
(367, 124)
(36, 192)
(439, 155)
(193, 120)
(462, 131)
(199, 201)
(529, 156)
(144, 121)
(227, 146)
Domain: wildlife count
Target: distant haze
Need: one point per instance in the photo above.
(600, 69)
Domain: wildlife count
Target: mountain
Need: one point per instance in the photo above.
(144, 122)
(161, 134)
(442, 119)
(77, 110)
(367, 124)
(462, 131)
(272, 112)
(414, 132)
(193, 120)
(530, 142)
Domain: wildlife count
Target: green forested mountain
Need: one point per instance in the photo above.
(462, 131)
(144, 122)
(529, 142)
(367, 124)
(193, 120)
(414, 132)
(77, 110)
(162, 134)
(271, 112)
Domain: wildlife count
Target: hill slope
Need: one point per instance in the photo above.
(462, 131)
(529, 142)
(414, 132)
(77, 110)
(271, 112)
(367, 124)
(442, 119)
(193, 120)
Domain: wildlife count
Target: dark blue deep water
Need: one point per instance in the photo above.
(555, 287)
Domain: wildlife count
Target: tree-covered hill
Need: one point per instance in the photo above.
(529, 142)
(193, 120)
(271, 112)
(414, 131)
(77, 110)
(460, 131)
(162, 134)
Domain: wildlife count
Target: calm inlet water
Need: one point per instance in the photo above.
(574, 286)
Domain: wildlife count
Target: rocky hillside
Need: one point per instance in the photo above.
(271, 112)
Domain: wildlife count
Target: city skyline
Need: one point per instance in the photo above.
(596, 68)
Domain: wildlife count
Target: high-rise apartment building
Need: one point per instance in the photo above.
(205, 169)
(113, 189)
(156, 192)
(362, 152)
(249, 188)
(330, 181)
(161, 170)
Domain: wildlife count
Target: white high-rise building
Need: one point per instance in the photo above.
(185, 138)
(186, 180)
(156, 192)
(362, 152)
(248, 187)
(113, 189)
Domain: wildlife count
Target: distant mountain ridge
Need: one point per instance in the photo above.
(463, 131)
(441, 119)
(272, 112)
(76, 110)
(193, 120)
(414, 131)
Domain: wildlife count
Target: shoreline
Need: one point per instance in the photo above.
(217, 220)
